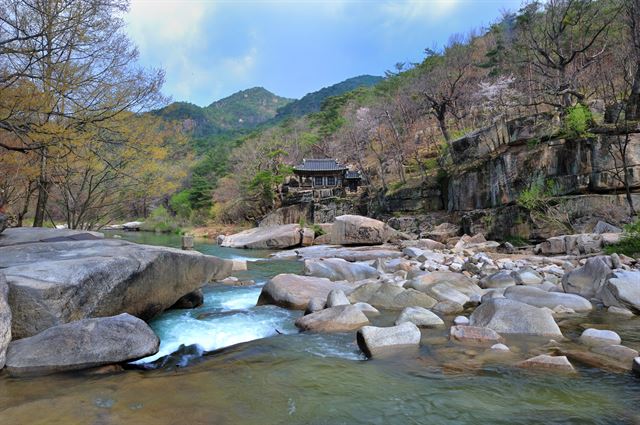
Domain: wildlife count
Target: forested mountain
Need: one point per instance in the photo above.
(313, 101)
(243, 110)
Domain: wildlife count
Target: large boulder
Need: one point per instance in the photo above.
(23, 235)
(359, 230)
(419, 316)
(269, 237)
(338, 269)
(442, 232)
(52, 283)
(390, 297)
(359, 253)
(446, 286)
(501, 279)
(5, 319)
(293, 291)
(82, 344)
(587, 280)
(540, 298)
(341, 318)
(623, 291)
(507, 316)
(375, 341)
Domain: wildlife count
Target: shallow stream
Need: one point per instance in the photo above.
(260, 370)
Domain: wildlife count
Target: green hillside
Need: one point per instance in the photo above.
(313, 101)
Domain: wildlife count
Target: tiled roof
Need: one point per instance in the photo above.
(320, 165)
(353, 175)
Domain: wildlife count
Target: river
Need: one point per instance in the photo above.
(259, 370)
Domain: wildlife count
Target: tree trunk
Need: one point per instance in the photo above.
(632, 111)
(43, 191)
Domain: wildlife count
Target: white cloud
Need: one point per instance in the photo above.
(410, 10)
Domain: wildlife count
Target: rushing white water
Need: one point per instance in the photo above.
(228, 316)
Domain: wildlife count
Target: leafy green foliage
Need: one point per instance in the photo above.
(537, 196)
(180, 203)
(630, 242)
(161, 221)
(577, 121)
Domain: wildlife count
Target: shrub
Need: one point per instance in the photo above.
(180, 204)
(577, 121)
(161, 221)
(318, 230)
(630, 242)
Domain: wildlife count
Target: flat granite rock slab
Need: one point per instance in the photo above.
(55, 283)
(23, 235)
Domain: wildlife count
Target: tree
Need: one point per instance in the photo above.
(69, 73)
(445, 76)
(563, 38)
(632, 18)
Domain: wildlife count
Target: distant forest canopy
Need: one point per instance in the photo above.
(77, 146)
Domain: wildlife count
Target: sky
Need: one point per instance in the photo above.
(210, 49)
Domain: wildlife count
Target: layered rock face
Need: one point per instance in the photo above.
(52, 283)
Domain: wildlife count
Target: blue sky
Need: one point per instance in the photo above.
(211, 49)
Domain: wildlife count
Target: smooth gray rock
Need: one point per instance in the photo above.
(527, 276)
(540, 298)
(390, 297)
(420, 317)
(623, 291)
(546, 362)
(5, 319)
(83, 344)
(315, 304)
(337, 297)
(367, 309)
(375, 341)
(620, 353)
(342, 318)
(597, 337)
(294, 292)
(337, 269)
(604, 227)
(51, 283)
(620, 311)
(359, 230)
(507, 316)
(269, 237)
(501, 348)
(501, 279)
(461, 321)
(356, 253)
(448, 307)
(587, 280)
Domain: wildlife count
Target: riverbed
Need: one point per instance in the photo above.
(230, 362)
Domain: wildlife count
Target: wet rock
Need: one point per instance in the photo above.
(636, 365)
(359, 230)
(294, 291)
(51, 283)
(474, 335)
(597, 337)
(375, 341)
(269, 237)
(342, 318)
(461, 321)
(539, 298)
(622, 290)
(191, 300)
(620, 353)
(420, 317)
(587, 280)
(546, 362)
(507, 316)
(338, 269)
(5, 319)
(337, 297)
(83, 344)
(527, 276)
(501, 279)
